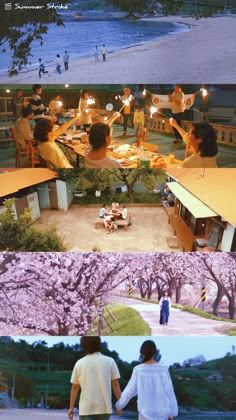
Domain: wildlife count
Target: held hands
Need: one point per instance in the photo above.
(118, 412)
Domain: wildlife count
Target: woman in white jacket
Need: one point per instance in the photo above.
(152, 384)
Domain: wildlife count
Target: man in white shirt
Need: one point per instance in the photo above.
(104, 52)
(66, 58)
(96, 375)
(22, 128)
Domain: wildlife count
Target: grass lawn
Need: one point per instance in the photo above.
(128, 322)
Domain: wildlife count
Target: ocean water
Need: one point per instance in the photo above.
(80, 37)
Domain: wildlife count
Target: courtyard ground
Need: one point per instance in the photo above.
(148, 233)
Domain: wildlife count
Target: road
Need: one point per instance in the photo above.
(180, 322)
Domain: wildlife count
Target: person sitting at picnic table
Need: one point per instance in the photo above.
(45, 134)
(202, 139)
(124, 212)
(99, 139)
(109, 221)
(103, 211)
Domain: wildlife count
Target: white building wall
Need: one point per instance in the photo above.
(43, 196)
(227, 238)
(34, 205)
(62, 197)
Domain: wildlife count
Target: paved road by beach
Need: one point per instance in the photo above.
(38, 414)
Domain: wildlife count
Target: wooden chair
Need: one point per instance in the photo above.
(151, 147)
(142, 134)
(30, 153)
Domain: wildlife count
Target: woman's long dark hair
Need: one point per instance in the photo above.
(205, 131)
(97, 135)
(42, 129)
(148, 350)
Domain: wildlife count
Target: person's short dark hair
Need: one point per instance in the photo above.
(42, 129)
(205, 131)
(36, 87)
(83, 92)
(58, 55)
(148, 350)
(91, 344)
(137, 106)
(65, 52)
(97, 135)
(26, 111)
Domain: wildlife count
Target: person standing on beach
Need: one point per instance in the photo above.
(104, 52)
(66, 58)
(177, 103)
(127, 111)
(41, 68)
(96, 375)
(96, 54)
(58, 64)
(165, 304)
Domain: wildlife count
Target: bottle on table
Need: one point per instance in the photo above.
(145, 159)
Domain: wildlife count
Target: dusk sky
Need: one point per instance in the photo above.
(172, 349)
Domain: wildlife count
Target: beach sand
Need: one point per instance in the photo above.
(206, 54)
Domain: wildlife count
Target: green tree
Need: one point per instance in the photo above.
(131, 7)
(19, 28)
(142, 6)
(19, 235)
(103, 179)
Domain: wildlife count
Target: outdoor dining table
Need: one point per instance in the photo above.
(74, 145)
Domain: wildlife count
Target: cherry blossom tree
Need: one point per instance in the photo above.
(58, 293)
(221, 269)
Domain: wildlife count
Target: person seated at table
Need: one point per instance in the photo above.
(124, 212)
(202, 139)
(45, 134)
(99, 140)
(109, 220)
(103, 211)
(22, 129)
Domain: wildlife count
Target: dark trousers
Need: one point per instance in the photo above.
(66, 65)
(125, 122)
(104, 57)
(178, 117)
(42, 71)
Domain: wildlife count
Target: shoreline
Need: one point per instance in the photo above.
(205, 54)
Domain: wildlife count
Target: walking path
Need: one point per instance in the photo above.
(38, 414)
(180, 322)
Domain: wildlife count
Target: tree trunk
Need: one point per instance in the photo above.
(130, 191)
(178, 294)
(232, 307)
(219, 296)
